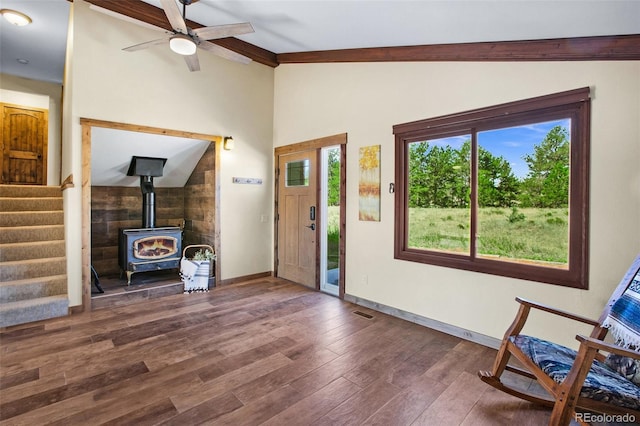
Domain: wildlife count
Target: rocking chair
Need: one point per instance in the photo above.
(584, 382)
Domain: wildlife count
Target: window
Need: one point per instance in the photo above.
(501, 190)
(297, 173)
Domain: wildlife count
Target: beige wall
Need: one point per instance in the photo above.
(154, 88)
(302, 102)
(38, 94)
(366, 100)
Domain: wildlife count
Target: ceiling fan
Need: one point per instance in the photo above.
(185, 41)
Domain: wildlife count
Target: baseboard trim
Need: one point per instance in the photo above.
(453, 330)
(235, 280)
(77, 309)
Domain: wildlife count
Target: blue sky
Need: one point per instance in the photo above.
(511, 143)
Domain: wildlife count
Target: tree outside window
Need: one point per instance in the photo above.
(501, 190)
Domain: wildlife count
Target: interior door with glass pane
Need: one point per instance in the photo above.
(297, 228)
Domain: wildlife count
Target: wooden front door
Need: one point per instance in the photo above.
(24, 145)
(297, 228)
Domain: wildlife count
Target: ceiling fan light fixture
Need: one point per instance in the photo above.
(182, 45)
(16, 18)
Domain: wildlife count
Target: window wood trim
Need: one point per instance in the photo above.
(578, 102)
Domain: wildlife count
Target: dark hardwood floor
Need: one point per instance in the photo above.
(262, 352)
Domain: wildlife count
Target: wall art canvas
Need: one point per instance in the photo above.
(369, 185)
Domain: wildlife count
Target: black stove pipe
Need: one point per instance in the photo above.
(147, 168)
(148, 202)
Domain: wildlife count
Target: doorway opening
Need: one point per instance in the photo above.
(92, 133)
(311, 213)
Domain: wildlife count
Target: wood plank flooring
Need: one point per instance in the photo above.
(261, 352)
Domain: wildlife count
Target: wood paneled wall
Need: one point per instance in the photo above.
(116, 207)
(199, 202)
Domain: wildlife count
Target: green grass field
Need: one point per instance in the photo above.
(528, 234)
(534, 235)
(333, 237)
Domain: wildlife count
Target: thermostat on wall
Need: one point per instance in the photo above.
(248, 181)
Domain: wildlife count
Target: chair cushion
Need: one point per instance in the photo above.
(625, 366)
(601, 384)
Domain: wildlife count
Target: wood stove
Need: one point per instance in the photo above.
(148, 248)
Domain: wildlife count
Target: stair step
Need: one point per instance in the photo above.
(30, 218)
(32, 268)
(24, 311)
(31, 233)
(17, 204)
(31, 250)
(18, 191)
(33, 280)
(12, 291)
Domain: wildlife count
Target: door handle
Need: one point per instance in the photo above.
(312, 226)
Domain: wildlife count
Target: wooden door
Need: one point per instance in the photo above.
(24, 145)
(297, 229)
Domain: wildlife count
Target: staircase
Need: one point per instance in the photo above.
(33, 266)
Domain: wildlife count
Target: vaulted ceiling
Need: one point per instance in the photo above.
(359, 30)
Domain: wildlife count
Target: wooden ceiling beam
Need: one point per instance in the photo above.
(601, 48)
(604, 48)
(150, 14)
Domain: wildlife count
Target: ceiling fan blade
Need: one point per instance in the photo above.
(224, 52)
(126, 18)
(174, 16)
(192, 62)
(221, 31)
(147, 44)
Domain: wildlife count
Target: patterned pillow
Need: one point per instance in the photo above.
(625, 366)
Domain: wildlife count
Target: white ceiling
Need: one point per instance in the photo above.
(112, 149)
(42, 43)
(309, 25)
